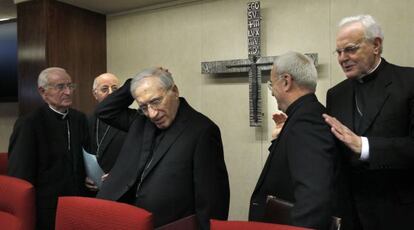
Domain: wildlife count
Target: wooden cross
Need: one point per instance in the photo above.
(254, 65)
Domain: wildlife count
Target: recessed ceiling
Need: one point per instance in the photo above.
(113, 6)
(8, 8)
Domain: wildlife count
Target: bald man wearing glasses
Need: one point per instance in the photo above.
(106, 140)
(46, 146)
(172, 161)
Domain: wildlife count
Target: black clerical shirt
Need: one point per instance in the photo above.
(363, 88)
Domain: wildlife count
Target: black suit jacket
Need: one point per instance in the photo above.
(383, 186)
(187, 173)
(38, 153)
(109, 147)
(301, 167)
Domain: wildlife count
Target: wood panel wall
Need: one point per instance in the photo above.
(51, 33)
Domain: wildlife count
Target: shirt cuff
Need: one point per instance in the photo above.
(364, 149)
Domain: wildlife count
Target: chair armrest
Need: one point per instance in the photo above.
(188, 223)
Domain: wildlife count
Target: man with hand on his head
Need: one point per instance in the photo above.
(172, 161)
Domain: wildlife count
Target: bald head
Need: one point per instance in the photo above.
(103, 85)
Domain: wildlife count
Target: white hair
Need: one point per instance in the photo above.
(300, 67)
(43, 78)
(372, 29)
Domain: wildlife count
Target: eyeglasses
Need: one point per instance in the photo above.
(63, 86)
(154, 104)
(350, 49)
(106, 89)
(269, 85)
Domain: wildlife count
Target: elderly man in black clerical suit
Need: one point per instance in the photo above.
(46, 146)
(106, 140)
(172, 160)
(301, 166)
(372, 114)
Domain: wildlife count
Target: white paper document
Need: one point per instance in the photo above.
(93, 170)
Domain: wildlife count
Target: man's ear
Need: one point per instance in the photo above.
(287, 82)
(94, 94)
(377, 45)
(175, 90)
(42, 91)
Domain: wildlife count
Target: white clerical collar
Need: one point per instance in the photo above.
(371, 71)
(56, 111)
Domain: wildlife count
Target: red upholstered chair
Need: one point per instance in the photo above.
(84, 213)
(249, 225)
(17, 204)
(3, 163)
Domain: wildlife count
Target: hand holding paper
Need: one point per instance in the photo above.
(93, 170)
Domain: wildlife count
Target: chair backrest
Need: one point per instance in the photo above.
(249, 225)
(17, 204)
(278, 211)
(84, 213)
(3, 163)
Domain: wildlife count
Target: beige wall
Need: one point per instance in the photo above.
(8, 115)
(180, 37)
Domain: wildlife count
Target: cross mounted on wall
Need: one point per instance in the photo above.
(254, 64)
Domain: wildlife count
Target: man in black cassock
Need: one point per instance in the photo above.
(46, 146)
(106, 140)
(302, 164)
(372, 115)
(172, 162)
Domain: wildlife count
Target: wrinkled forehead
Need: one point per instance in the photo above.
(110, 81)
(351, 33)
(57, 77)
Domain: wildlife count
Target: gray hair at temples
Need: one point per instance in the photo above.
(300, 67)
